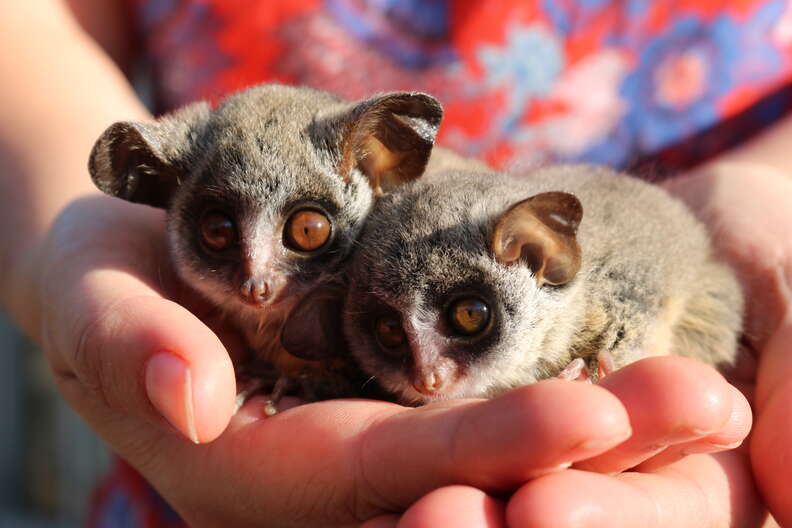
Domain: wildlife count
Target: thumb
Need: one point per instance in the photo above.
(146, 357)
(118, 348)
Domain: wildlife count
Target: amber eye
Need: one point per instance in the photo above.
(218, 231)
(469, 316)
(307, 230)
(390, 332)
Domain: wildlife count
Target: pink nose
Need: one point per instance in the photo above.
(429, 383)
(255, 292)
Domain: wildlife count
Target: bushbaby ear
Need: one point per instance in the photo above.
(143, 162)
(541, 231)
(390, 137)
(313, 329)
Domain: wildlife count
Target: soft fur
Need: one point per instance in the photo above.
(259, 156)
(648, 283)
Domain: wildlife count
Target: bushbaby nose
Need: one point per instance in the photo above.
(255, 292)
(429, 382)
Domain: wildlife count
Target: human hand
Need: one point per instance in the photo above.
(749, 209)
(677, 407)
(108, 318)
(695, 492)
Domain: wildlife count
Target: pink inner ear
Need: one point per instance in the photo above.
(377, 162)
(390, 137)
(540, 231)
(514, 235)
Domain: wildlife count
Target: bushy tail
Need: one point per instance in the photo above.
(711, 324)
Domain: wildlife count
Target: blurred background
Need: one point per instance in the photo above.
(49, 460)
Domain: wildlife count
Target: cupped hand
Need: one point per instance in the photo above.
(116, 344)
(677, 407)
(696, 492)
(749, 209)
(145, 372)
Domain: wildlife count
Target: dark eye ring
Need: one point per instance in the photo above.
(390, 332)
(218, 231)
(469, 316)
(307, 230)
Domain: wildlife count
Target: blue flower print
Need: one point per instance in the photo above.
(682, 75)
(414, 33)
(527, 67)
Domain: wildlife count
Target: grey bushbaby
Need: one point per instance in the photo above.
(466, 285)
(266, 193)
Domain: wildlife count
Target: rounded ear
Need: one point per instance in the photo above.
(541, 232)
(389, 137)
(143, 162)
(313, 329)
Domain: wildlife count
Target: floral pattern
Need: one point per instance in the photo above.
(523, 82)
(126, 500)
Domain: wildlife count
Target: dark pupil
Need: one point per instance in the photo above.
(307, 230)
(469, 316)
(218, 231)
(390, 332)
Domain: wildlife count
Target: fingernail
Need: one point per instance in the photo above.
(699, 432)
(169, 388)
(544, 471)
(599, 444)
(697, 449)
(733, 445)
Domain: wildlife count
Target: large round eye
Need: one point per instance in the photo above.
(469, 316)
(390, 332)
(218, 231)
(307, 230)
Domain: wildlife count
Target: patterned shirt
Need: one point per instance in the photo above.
(522, 81)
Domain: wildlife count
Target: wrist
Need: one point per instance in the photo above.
(738, 167)
(769, 149)
(728, 188)
(19, 285)
(745, 205)
(22, 258)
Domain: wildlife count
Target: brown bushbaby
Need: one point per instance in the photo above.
(266, 193)
(467, 285)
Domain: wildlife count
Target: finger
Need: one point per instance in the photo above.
(458, 506)
(383, 457)
(495, 444)
(730, 437)
(775, 364)
(702, 490)
(670, 401)
(117, 347)
(149, 358)
(492, 444)
(771, 452)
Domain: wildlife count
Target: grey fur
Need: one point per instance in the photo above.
(648, 283)
(257, 157)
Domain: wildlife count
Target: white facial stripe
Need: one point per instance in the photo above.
(257, 240)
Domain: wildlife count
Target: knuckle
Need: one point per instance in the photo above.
(91, 355)
(367, 498)
(87, 362)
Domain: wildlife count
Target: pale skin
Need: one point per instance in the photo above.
(86, 277)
